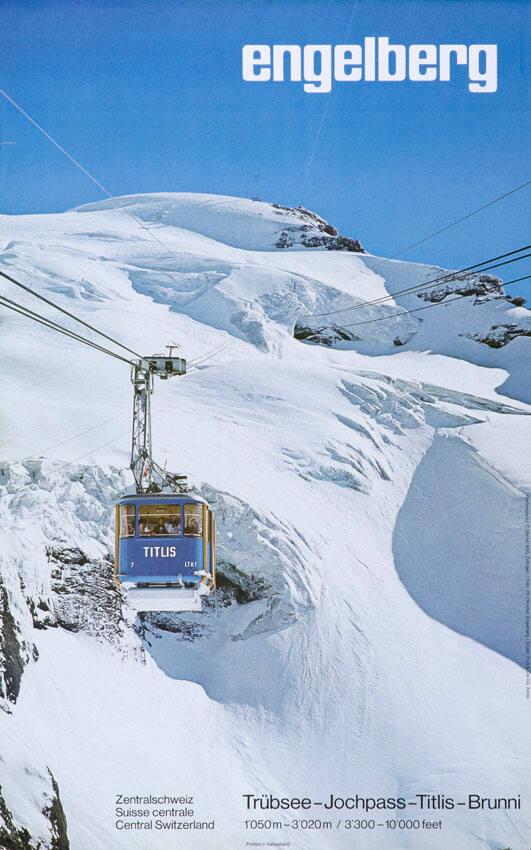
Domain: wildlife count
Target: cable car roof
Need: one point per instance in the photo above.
(161, 499)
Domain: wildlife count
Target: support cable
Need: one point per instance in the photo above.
(66, 440)
(429, 283)
(426, 307)
(463, 218)
(43, 320)
(66, 312)
(109, 195)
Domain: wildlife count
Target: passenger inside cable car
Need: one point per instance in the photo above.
(159, 520)
(193, 520)
(127, 521)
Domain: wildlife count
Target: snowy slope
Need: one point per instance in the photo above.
(371, 492)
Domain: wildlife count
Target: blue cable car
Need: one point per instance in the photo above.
(165, 551)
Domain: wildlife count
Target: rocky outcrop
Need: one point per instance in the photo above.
(465, 284)
(84, 597)
(333, 335)
(17, 837)
(57, 819)
(11, 836)
(500, 335)
(14, 652)
(313, 232)
(327, 335)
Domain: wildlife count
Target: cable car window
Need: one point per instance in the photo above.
(127, 520)
(159, 520)
(193, 520)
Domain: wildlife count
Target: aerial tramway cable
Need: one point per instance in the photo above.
(429, 283)
(425, 307)
(49, 323)
(91, 451)
(324, 115)
(109, 195)
(68, 439)
(70, 462)
(432, 235)
(147, 583)
(463, 218)
(200, 361)
(97, 183)
(365, 271)
(66, 312)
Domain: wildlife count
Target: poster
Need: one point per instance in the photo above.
(265, 425)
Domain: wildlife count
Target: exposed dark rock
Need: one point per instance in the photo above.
(40, 613)
(499, 335)
(333, 243)
(12, 659)
(327, 335)
(327, 236)
(464, 284)
(56, 815)
(519, 301)
(12, 838)
(284, 240)
(67, 555)
(306, 215)
(84, 596)
(233, 584)
(188, 626)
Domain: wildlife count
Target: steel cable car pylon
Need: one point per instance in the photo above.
(149, 476)
(165, 536)
(141, 449)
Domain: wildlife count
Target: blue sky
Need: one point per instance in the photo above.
(149, 97)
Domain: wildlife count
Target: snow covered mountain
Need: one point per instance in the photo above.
(371, 485)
